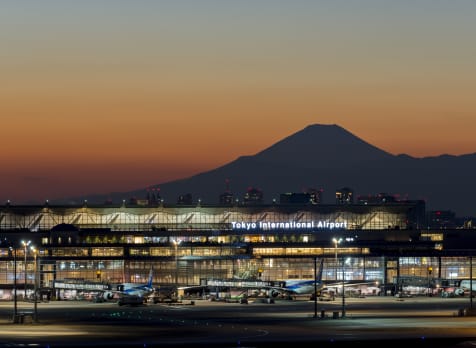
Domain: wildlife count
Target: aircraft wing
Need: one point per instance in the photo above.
(348, 284)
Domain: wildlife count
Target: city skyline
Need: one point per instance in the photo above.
(107, 96)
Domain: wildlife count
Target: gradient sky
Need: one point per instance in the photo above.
(99, 96)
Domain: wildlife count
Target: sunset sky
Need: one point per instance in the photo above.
(99, 96)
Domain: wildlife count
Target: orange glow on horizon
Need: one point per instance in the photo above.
(112, 98)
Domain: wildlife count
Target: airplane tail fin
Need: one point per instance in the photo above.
(149, 282)
(321, 269)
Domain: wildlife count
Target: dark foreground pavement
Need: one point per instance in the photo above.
(368, 324)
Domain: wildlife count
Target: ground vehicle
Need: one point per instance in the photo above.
(132, 300)
(327, 295)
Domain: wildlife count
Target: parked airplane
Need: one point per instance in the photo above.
(288, 287)
(131, 290)
(464, 286)
(269, 288)
(300, 286)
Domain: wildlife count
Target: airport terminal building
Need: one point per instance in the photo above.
(385, 242)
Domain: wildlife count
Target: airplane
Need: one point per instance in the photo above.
(300, 286)
(132, 293)
(284, 288)
(270, 288)
(465, 286)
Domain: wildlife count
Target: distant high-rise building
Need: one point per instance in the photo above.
(294, 198)
(185, 199)
(226, 198)
(153, 195)
(380, 198)
(253, 196)
(344, 196)
(442, 219)
(315, 196)
(310, 196)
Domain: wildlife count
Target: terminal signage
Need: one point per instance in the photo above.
(288, 225)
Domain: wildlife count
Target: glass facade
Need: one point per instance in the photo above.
(184, 245)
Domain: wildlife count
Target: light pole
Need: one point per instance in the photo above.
(315, 287)
(176, 244)
(35, 295)
(25, 246)
(471, 282)
(430, 271)
(343, 288)
(344, 261)
(15, 307)
(336, 243)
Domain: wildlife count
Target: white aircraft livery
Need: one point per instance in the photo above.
(131, 289)
(273, 288)
(283, 287)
